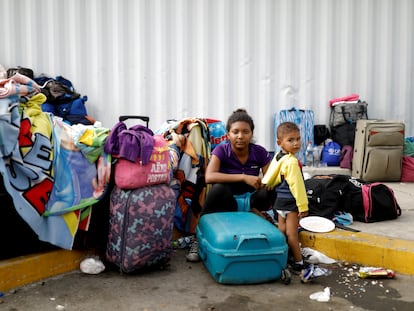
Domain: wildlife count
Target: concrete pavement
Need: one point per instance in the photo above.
(184, 286)
(388, 244)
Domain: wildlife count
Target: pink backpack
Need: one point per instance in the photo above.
(130, 175)
(347, 153)
(407, 172)
(379, 203)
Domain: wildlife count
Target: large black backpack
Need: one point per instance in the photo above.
(366, 202)
(324, 194)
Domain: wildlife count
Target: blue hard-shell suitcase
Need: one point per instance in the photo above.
(304, 119)
(241, 248)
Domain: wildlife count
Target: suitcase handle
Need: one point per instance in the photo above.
(126, 117)
(295, 109)
(202, 245)
(245, 238)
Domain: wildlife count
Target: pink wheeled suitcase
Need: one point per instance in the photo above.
(140, 227)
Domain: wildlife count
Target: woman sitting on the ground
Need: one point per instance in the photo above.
(235, 170)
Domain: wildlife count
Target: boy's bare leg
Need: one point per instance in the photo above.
(291, 224)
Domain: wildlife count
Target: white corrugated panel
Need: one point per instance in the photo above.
(204, 58)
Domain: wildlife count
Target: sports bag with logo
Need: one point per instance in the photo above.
(324, 194)
(331, 154)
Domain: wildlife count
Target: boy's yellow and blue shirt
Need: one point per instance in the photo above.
(288, 169)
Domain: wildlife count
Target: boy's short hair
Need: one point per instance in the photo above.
(286, 128)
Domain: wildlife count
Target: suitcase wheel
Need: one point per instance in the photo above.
(286, 276)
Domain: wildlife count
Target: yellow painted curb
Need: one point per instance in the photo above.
(24, 270)
(362, 248)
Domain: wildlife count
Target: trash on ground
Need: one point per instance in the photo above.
(375, 272)
(322, 296)
(312, 272)
(349, 284)
(183, 242)
(92, 266)
(313, 256)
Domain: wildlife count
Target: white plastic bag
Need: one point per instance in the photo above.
(92, 266)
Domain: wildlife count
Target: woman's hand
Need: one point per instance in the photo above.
(254, 181)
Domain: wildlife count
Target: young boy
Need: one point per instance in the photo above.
(285, 175)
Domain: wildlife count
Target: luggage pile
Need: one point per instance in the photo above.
(331, 196)
(190, 147)
(142, 203)
(371, 148)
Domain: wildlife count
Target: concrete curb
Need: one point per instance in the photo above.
(356, 247)
(24, 270)
(362, 248)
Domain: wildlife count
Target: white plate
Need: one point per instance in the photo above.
(317, 224)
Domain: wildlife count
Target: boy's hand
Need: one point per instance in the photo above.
(268, 188)
(303, 214)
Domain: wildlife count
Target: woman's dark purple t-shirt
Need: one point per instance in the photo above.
(230, 164)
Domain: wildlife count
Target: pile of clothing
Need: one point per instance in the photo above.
(54, 171)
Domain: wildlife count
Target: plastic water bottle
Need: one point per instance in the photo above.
(309, 155)
(317, 151)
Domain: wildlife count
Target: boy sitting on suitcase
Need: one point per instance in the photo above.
(285, 176)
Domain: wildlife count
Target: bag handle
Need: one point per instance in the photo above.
(294, 109)
(298, 112)
(126, 117)
(360, 114)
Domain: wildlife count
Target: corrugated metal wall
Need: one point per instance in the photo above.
(204, 58)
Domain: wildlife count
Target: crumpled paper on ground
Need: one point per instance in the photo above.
(322, 296)
(312, 272)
